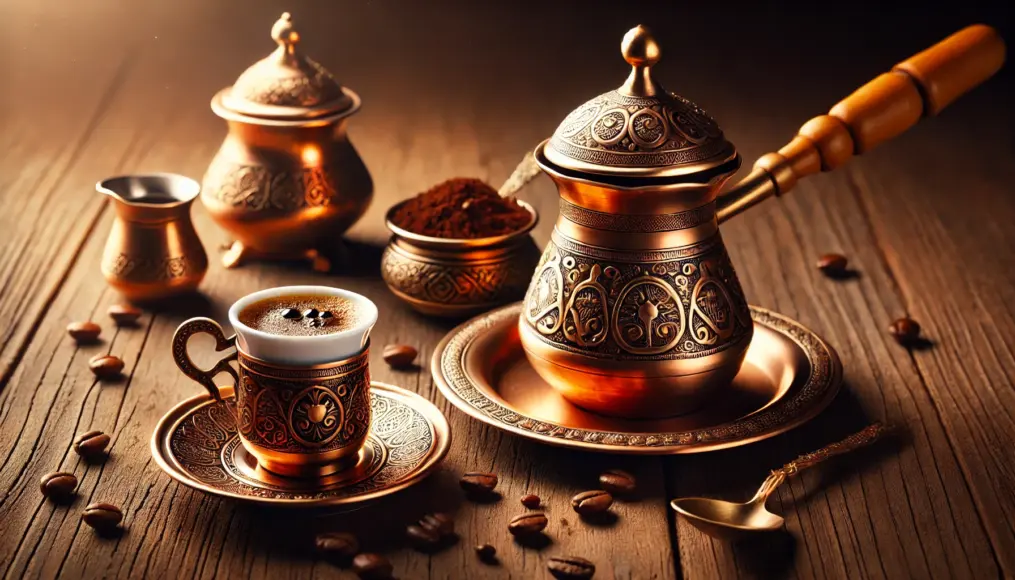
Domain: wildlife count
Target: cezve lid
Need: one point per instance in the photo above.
(640, 129)
(286, 85)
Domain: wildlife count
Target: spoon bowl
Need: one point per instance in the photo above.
(726, 519)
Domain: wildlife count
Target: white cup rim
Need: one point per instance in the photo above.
(367, 316)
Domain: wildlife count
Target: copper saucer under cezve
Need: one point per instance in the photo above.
(789, 376)
(196, 443)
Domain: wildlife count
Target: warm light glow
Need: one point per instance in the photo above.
(311, 155)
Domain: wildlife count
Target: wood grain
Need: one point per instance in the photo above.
(110, 86)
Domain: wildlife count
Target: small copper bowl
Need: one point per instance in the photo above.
(455, 278)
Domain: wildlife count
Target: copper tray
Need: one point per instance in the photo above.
(196, 444)
(790, 374)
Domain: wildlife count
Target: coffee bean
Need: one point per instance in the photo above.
(422, 538)
(59, 485)
(312, 313)
(291, 314)
(617, 482)
(530, 501)
(570, 568)
(486, 552)
(370, 566)
(84, 331)
(905, 330)
(438, 523)
(478, 482)
(340, 546)
(105, 366)
(833, 265)
(399, 355)
(104, 517)
(527, 524)
(124, 314)
(327, 314)
(90, 445)
(592, 502)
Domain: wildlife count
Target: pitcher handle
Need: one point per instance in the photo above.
(182, 358)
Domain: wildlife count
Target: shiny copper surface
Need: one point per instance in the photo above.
(789, 375)
(152, 251)
(457, 278)
(306, 421)
(286, 180)
(635, 310)
(408, 438)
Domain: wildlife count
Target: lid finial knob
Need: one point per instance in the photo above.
(282, 33)
(641, 51)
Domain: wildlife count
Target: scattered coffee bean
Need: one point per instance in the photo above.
(592, 502)
(84, 331)
(486, 552)
(833, 265)
(527, 524)
(617, 482)
(312, 313)
(531, 501)
(124, 314)
(423, 538)
(905, 330)
(369, 566)
(438, 523)
(399, 355)
(327, 314)
(570, 568)
(58, 486)
(104, 517)
(90, 445)
(105, 366)
(478, 483)
(339, 546)
(291, 314)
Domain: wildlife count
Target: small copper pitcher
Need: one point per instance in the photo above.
(153, 251)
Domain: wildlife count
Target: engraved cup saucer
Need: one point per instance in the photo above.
(789, 375)
(196, 444)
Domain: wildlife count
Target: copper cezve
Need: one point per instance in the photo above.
(635, 309)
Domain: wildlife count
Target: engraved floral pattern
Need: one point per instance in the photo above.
(204, 443)
(811, 392)
(624, 131)
(612, 304)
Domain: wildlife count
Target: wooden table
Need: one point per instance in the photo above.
(91, 89)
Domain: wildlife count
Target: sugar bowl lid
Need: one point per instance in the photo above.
(286, 84)
(639, 129)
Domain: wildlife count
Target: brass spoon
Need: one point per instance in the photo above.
(522, 175)
(728, 520)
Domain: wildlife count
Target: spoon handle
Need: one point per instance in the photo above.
(857, 440)
(524, 173)
(865, 437)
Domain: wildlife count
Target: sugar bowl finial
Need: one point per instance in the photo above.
(641, 51)
(282, 32)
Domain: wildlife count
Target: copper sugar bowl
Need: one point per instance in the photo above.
(635, 309)
(286, 179)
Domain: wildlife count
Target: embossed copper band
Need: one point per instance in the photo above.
(326, 370)
(304, 410)
(565, 243)
(637, 223)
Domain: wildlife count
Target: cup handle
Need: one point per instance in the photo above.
(182, 358)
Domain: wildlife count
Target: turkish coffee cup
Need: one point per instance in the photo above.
(302, 402)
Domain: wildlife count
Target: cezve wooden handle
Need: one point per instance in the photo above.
(921, 86)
